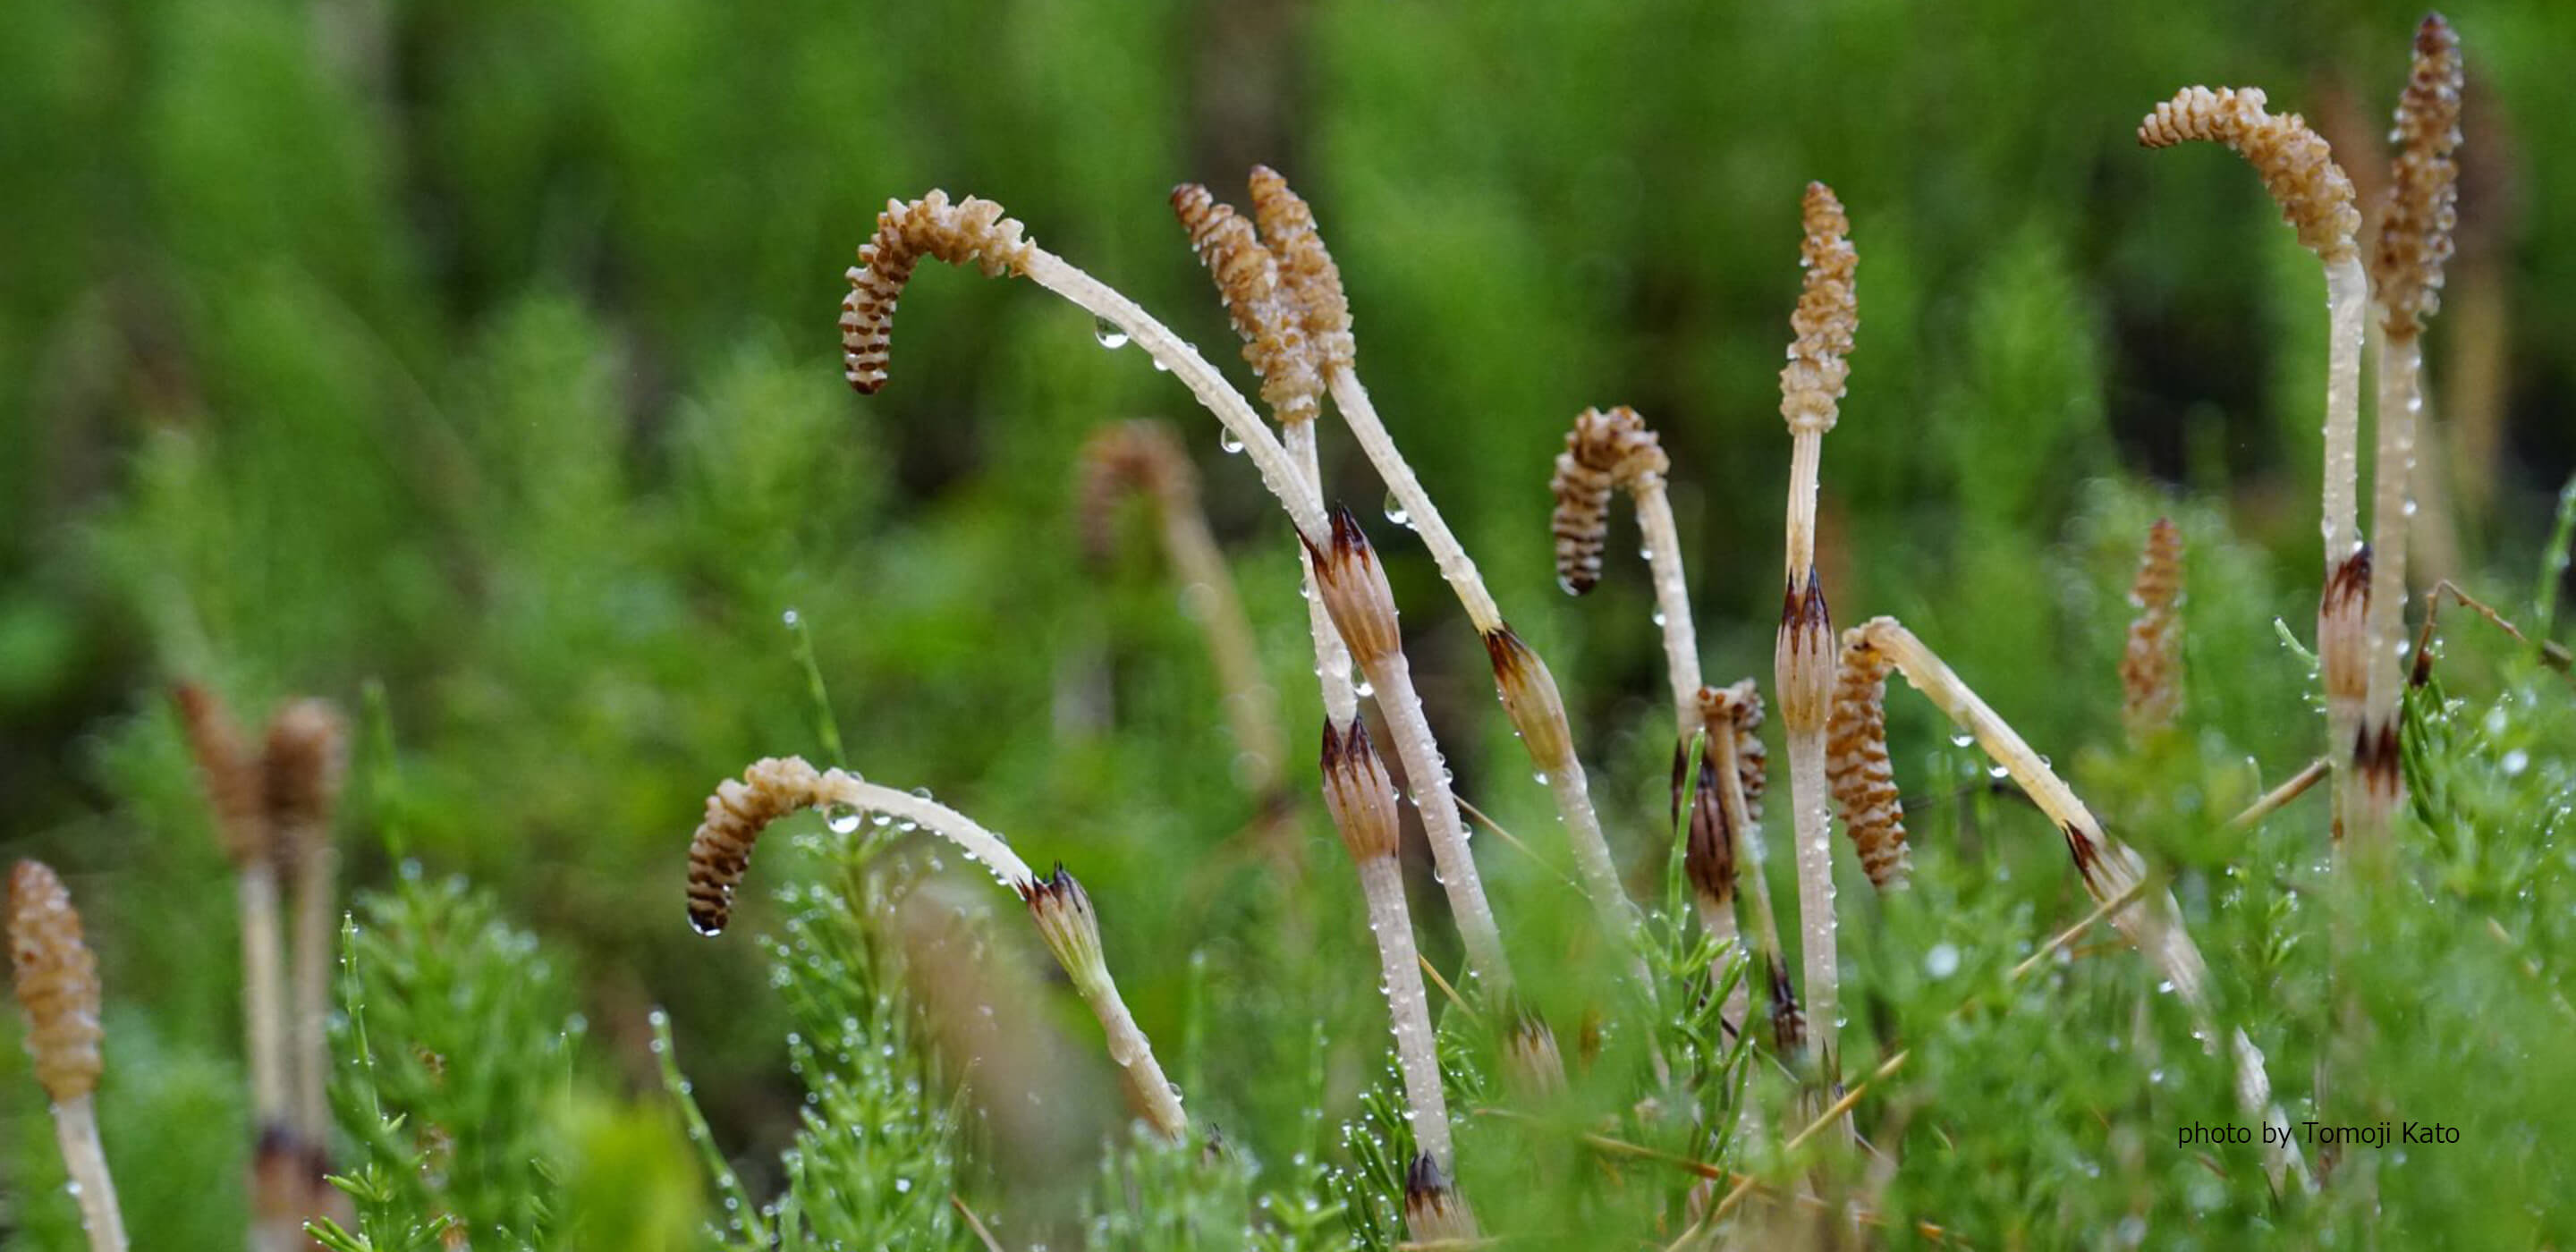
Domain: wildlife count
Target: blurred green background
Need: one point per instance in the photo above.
(480, 355)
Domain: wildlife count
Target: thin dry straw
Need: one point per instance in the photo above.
(1145, 456)
(1811, 388)
(2151, 690)
(974, 231)
(57, 983)
(2414, 243)
(773, 787)
(2316, 198)
(2109, 870)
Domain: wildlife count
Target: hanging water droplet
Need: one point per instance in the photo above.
(844, 823)
(1161, 368)
(1395, 511)
(1366, 690)
(1962, 739)
(1226, 441)
(1108, 333)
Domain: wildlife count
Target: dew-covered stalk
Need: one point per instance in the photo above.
(56, 978)
(741, 809)
(1811, 389)
(975, 232)
(1361, 798)
(2108, 868)
(2316, 198)
(1354, 590)
(2414, 243)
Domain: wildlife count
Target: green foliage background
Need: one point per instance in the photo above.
(472, 364)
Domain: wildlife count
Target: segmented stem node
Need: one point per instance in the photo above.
(1359, 793)
(1356, 593)
(1804, 657)
(1434, 1212)
(2296, 166)
(1858, 769)
(1530, 698)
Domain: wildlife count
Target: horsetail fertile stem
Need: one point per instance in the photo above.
(2109, 869)
(1732, 717)
(773, 787)
(2317, 199)
(235, 790)
(2414, 244)
(57, 983)
(1361, 798)
(1354, 589)
(307, 756)
(1811, 389)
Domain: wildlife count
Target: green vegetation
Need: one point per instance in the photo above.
(470, 365)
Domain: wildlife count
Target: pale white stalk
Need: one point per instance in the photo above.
(317, 933)
(76, 1130)
(1408, 1006)
(1360, 415)
(1568, 785)
(1332, 656)
(264, 993)
(2109, 869)
(1817, 937)
(2401, 401)
(1278, 471)
(2347, 298)
(1672, 599)
(1133, 1052)
(842, 789)
(1286, 479)
(1427, 777)
(1806, 449)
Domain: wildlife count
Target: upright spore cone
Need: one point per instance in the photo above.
(2295, 164)
(2423, 184)
(1857, 767)
(2151, 668)
(1359, 793)
(1603, 452)
(736, 814)
(307, 757)
(234, 786)
(1827, 318)
(1140, 456)
(970, 231)
(1264, 310)
(57, 981)
(1306, 266)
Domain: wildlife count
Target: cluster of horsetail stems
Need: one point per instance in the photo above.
(1284, 296)
(56, 977)
(273, 811)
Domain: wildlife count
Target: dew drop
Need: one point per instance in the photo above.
(789, 618)
(1108, 333)
(1395, 511)
(1226, 441)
